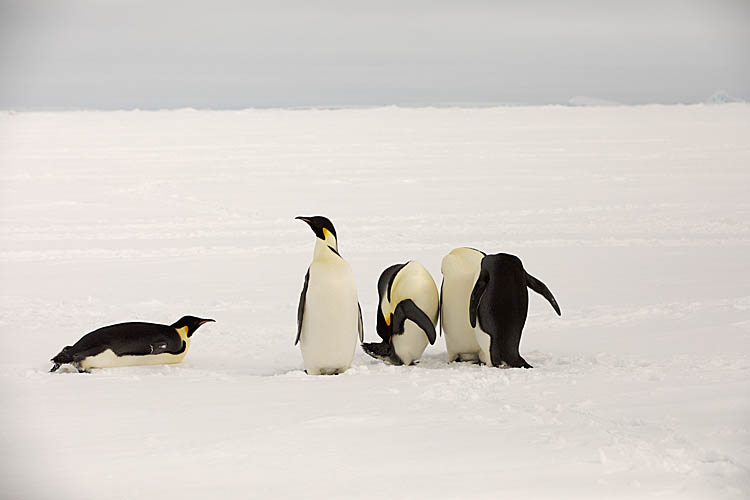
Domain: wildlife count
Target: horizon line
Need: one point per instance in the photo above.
(457, 105)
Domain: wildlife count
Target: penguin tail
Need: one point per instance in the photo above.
(382, 351)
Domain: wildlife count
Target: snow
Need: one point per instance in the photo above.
(637, 218)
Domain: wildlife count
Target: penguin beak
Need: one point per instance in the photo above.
(207, 321)
(308, 221)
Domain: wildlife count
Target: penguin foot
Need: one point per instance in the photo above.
(80, 369)
(332, 371)
(327, 371)
(518, 362)
(465, 358)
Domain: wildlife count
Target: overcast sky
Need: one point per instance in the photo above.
(236, 54)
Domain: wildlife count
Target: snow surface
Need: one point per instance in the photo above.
(637, 218)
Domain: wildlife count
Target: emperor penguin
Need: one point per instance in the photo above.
(128, 344)
(329, 317)
(498, 306)
(460, 268)
(407, 314)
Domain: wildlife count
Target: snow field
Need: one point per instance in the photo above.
(635, 217)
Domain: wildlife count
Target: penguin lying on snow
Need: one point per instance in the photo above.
(498, 306)
(328, 317)
(459, 268)
(407, 314)
(127, 344)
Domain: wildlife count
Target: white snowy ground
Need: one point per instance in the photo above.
(637, 218)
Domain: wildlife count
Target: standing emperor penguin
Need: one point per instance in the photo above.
(460, 268)
(407, 314)
(128, 344)
(498, 307)
(328, 317)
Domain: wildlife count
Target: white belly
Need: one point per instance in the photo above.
(413, 282)
(483, 340)
(459, 334)
(410, 345)
(459, 269)
(330, 322)
(109, 359)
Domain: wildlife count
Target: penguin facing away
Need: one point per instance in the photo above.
(498, 307)
(407, 314)
(129, 344)
(329, 318)
(460, 268)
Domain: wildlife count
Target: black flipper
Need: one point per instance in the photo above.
(542, 290)
(440, 307)
(158, 347)
(142, 350)
(407, 309)
(382, 351)
(360, 325)
(476, 296)
(301, 307)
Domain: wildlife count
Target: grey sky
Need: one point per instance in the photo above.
(235, 54)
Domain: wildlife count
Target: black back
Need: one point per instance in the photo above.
(406, 309)
(500, 303)
(124, 339)
(131, 339)
(385, 282)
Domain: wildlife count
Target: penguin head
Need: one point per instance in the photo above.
(323, 229)
(191, 322)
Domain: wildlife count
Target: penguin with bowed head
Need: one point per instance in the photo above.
(131, 344)
(407, 314)
(498, 307)
(329, 318)
(460, 268)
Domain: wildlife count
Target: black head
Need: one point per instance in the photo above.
(191, 322)
(323, 229)
(318, 223)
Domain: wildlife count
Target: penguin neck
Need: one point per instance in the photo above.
(183, 333)
(325, 248)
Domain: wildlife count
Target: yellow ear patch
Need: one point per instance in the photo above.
(388, 319)
(182, 332)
